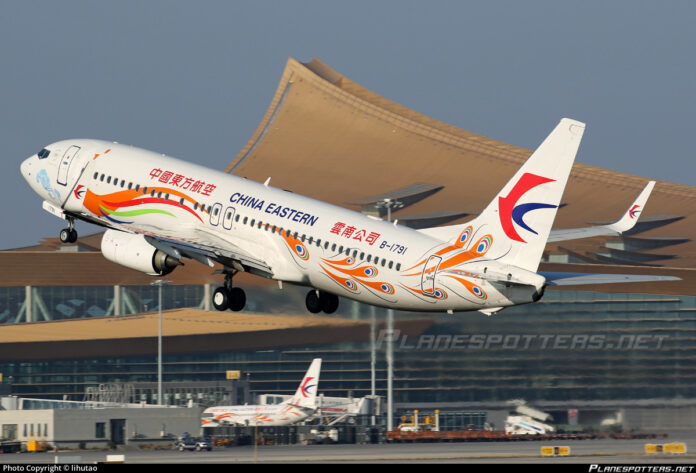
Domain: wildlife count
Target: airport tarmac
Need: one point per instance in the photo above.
(582, 451)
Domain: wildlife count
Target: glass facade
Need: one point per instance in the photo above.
(569, 346)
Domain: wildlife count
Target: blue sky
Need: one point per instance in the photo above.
(193, 79)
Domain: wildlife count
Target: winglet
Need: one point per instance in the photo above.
(631, 216)
(622, 225)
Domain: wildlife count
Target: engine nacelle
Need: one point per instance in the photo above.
(132, 251)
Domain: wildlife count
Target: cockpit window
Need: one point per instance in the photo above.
(43, 154)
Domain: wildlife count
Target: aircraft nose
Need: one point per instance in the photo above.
(26, 168)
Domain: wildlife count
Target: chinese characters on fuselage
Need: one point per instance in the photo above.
(182, 182)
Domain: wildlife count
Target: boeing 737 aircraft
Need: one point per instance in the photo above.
(159, 210)
(294, 410)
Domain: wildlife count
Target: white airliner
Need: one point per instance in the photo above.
(159, 210)
(296, 409)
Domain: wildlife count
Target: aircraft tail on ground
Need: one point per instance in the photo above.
(306, 394)
(514, 227)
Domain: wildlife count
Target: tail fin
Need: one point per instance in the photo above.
(514, 227)
(306, 394)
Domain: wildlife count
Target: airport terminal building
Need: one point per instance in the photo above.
(72, 321)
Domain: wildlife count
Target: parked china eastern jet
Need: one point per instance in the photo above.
(294, 410)
(159, 210)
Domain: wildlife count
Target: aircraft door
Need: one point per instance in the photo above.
(215, 214)
(428, 276)
(64, 165)
(228, 218)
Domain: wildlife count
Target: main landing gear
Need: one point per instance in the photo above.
(69, 235)
(228, 297)
(318, 301)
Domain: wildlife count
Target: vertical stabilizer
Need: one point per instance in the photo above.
(306, 394)
(514, 227)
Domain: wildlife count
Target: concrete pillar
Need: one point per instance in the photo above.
(117, 300)
(28, 304)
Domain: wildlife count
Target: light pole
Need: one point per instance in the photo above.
(159, 283)
(390, 204)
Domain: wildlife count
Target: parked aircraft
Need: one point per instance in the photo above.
(159, 210)
(294, 410)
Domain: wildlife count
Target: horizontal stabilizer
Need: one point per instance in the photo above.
(627, 221)
(577, 279)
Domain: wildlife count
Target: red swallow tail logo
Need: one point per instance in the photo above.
(305, 387)
(510, 212)
(635, 211)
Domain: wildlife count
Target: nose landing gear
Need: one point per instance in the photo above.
(69, 235)
(318, 301)
(228, 297)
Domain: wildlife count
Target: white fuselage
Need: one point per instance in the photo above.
(252, 415)
(295, 238)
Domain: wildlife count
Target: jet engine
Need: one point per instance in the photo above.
(134, 252)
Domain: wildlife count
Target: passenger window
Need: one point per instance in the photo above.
(137, 188)
(369, 258)
(246, 219)
(101, 178)
(96, 174)
(391, 263)
(333, 247)
(130, 185)
(398, 266)
(252, 222)
(362, 255)
(181, 201)
(108, 180)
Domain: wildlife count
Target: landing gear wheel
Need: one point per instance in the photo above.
(237, 299)
(69, 235)
(221, 298)
(329, 302)
(313, 302)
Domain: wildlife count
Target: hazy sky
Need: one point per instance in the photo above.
(193, 78)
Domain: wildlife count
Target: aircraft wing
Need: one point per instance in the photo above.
(206, 247)
(627, 221)
(577, 279)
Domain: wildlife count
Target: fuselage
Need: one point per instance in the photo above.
(261, 415)
(300, 240)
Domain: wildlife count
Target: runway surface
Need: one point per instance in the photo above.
(582, 451)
